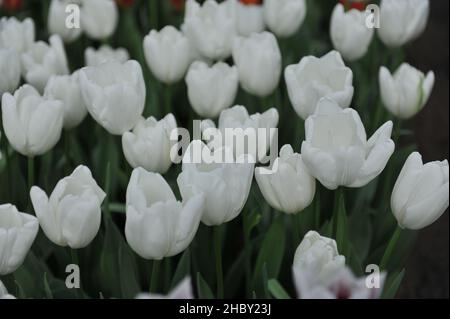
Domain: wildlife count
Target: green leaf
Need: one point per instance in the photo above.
(360, 228)
(204, 292)
(271, 252)
(277, 290)
(251, 220)
(183, 268)
(391, 290)
(48, 291)
(342, 229)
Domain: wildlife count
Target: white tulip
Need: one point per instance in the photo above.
(336, 150)
(226, 186)
(44, 60)
(114, 94)
(17, 233)
(10, 70)
(406, 92)
(32, 123)
(16, 35)
(402, 21)
(314, 78)
(167, 53)
(237, 117)
(4, 293)
(157, 225)
(340, 285)
(105, 54)
(290, 189)
(99, 18)
(211, 89)
(258, 59)
(72, 215)
(420, 195)
(149, 144)
(210, 28)
(66, 88)
(319, 255)
(56, 20)
(182, 291)
(284, 17)
(249, 18)
(349, 33)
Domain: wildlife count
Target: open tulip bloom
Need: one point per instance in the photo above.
(223, 149)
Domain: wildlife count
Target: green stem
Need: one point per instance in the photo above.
(30, 177)
(155, 275)
(218, 253)
(153, 13)
(390, 248)
(338, 196)
(167, 100)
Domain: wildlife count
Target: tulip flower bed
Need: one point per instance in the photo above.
(95, 202)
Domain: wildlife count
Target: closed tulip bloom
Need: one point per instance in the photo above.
(315, 78)
(105, 54)
(420, 195)
(16, 35)
(249, 18)
(284, 17)
(402, 21)
(149, 144)
(44, 60)
(237, 117)
(56, 20)
(66, 88)
(182, 291)
(9, 70)
(32, 123)
(258, 59)
(167, 53)
(290, 189)
(158, 225)
(405, 92)
(17, 233)
(211, 89)
(349, 33)
(226, 186)
(71, 216)
(336, 150)
(319, 255)
(210, 28)
(99, 18)
(114, 94)
(4, 292)
(342, 284)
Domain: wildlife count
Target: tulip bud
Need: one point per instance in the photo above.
(56, 20)
(284, 17)
(4, 293)
(105, 54)
(182, 291)
(168, 54)
(17, 233)
(349, 33)
(9, 70)
(71, 216)
(226, 186)
(406, 92)
(66, 88)
(402, 21)
(314, 78)
(336, 150)
(290, 188)
(157, 225)
(114, 94)
(16, 35)
(258, 59)
(420, 195)
(32, 123)
(43, 60)
(209, 28)
(248, 18)
(149, 144)
(211, 89)
(99, 18)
